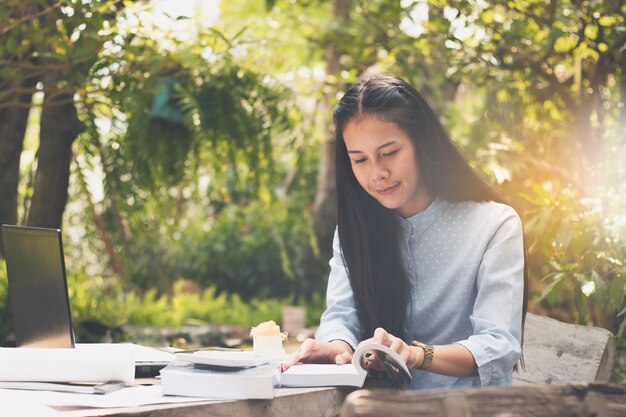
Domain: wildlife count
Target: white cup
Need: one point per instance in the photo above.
(270, 347)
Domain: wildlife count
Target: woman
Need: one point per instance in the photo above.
(427, 259)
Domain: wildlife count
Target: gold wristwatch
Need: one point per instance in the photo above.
(429, 352)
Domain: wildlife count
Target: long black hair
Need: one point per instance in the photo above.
(367, 230)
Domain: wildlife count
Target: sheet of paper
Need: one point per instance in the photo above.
(86, 363)
(16, 406)
(322, 369)
(127, 397)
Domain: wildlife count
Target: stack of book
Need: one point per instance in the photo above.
(244, 375)
(221, 375)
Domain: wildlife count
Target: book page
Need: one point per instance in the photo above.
(323, 369)
(393, 364)
(322, 375)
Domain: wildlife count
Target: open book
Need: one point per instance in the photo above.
(353, 374)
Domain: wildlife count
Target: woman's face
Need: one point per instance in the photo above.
(384, 162)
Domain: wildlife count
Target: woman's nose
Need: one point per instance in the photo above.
(379, 172)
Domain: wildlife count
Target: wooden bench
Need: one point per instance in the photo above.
(562, 353)
(575, 359)
(571, 400)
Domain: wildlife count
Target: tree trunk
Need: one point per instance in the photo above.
(59, 128)
(324, 207)
(13, 120)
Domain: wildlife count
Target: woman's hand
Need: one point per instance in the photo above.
(316, 351)
(413, 357)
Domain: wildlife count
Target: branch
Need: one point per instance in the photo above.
(31, 74)
(50, 95)
(50, 92)
(598, 74)
(47, 101)
(28, 17)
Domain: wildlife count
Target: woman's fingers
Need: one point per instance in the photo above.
(394, 343)
(300, 355)
(381, 336)
(398, 345)
(315, 351)
(343, 358)
(403, 350)
(290, 361)
(321, 352)
(325, 352)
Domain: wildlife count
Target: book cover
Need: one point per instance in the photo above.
(227, 359)
(257, 382)
(352, 374)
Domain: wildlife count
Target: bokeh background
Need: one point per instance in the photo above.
(184, 147)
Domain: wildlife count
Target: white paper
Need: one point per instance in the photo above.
(16, 406)
(85, 363)
(127, 397)
(48, 386)
(324, 370)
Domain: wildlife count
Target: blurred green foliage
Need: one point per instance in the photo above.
(103, 300)
(218, 188)
(533, 95)
(96, 299)
(196, 151)
(249, 252)
(577, 250)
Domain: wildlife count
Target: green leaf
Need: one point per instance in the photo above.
(551, 292)
(601, 294)
(591, 31)
(269, 4)
(487, 16)
(582, 306)
(620, 331)
(617, 289)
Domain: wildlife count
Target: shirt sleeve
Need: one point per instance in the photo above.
(340, 320)
(497, 313)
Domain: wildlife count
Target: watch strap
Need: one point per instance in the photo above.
(429, 353)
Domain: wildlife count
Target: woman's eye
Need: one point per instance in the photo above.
(391, 153)
(359, 161)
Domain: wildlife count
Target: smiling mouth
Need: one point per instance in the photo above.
(388, 190)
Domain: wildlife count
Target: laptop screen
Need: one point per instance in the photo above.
(37, 287)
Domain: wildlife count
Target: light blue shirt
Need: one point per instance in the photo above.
(465, 264)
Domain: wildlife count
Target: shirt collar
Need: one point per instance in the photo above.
(421, 221)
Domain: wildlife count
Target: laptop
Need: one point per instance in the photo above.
(39, 298)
